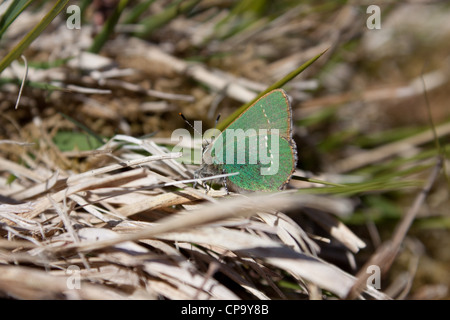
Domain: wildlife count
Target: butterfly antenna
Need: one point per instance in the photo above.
(189, 124)
(217, 121)
(215, 126)
(193, 128)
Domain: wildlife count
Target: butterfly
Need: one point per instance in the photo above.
(258, 145)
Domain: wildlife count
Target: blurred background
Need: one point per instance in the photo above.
(363, 109)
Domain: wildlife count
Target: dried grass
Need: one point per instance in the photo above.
(120, 221)
(84, 220)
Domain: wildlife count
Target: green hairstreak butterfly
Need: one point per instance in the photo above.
(258, 145)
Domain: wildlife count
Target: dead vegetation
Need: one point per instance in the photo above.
(93, 209)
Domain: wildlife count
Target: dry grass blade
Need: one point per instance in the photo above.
(161, 201)
(115, 180)
(37, 189)
(337, 230)
(197, 71)
(6, 244)
(121, 165)
(27, 283)
(290, 232)
(242, 207)
(21, 171)
(301, 265)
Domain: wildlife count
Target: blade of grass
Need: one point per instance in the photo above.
(381, 183)
(276, 85)
(395, 164)
(433, 127)
(23, 82)
(83, 127)
(48, 64)
(83, 6)
(108, 28)
(33, 84)
(242, 15)
(158, 20)
(360, 188)
(13, 11)
(311, 180)
(32, 35)
(385, 151)
(136, 12)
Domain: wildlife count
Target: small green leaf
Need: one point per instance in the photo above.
(68, 141)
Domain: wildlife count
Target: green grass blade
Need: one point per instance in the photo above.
(84, 4)
(158, 20)
(136, 12)
(32, 35)
(222, 125)
(13, 11)
(362, 188)
(84, 128)
(108, 27)
(312, 180)
(32, 84)
(243, 14)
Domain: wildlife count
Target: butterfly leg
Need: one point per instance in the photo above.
(204, 184)
(196, 176)
(225, 183)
